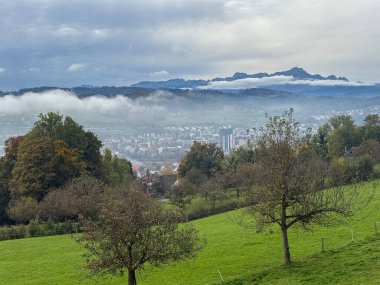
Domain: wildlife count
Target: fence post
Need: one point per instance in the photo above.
(323, 245)
(221, 277)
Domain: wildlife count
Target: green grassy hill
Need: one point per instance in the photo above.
(241, 256)
(356, 263)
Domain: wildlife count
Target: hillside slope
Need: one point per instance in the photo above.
(356, 263)
(241, 256)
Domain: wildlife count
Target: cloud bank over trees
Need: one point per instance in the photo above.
(68, 102)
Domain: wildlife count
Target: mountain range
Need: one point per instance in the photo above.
(296, 73)
(293, 81)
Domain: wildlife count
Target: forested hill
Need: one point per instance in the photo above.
(283, 91)
(271, 91)
(136, 92)
(86, 91)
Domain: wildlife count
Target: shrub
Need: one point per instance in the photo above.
(345, 170)
(364, 167)
(49, 228)
(34, 227)
(65, 227)
(20, 231)
(340, 171)
(23, 210)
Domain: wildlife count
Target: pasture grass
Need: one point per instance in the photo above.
(242, 256)
(355, 263)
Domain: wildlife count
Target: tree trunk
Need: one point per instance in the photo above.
(285, 244)
(131, 277)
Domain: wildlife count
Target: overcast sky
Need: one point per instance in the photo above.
(110, 42)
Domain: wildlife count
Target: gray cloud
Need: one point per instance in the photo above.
(75, 67)
(159, 74)
(125, 41)
(33, 69)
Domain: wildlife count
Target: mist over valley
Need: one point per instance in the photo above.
(153, 124)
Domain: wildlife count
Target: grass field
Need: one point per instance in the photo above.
(356, 263)
(241, 256)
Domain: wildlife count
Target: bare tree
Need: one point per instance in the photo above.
(132, 230)
(289, 181)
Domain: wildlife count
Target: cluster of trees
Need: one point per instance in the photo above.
(206, 171)
(56, 173)
(54, 152)
(288, 178)
(340, 135)
(351, 150)
(198, 170)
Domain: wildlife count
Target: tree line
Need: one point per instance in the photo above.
(350, 151)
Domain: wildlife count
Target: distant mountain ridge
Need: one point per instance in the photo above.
(295, 81)
(296, 72)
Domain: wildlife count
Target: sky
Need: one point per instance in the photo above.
(71, 43)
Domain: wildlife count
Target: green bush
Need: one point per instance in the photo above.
(12, 232)
(49, 228)
(34, 227)
(20, 231)
(3, 234)
(364, 167)
(65, 227)
(346, 170)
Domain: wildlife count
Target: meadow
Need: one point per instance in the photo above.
(233, 255)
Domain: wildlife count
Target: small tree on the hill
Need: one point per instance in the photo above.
(203, 161)
(289, 183)
(132, 230)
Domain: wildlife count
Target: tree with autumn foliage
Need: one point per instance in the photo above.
(57, 127)
(44, 164)
(7, 163)
(289, 183)
(55, 151)
(132, 230)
